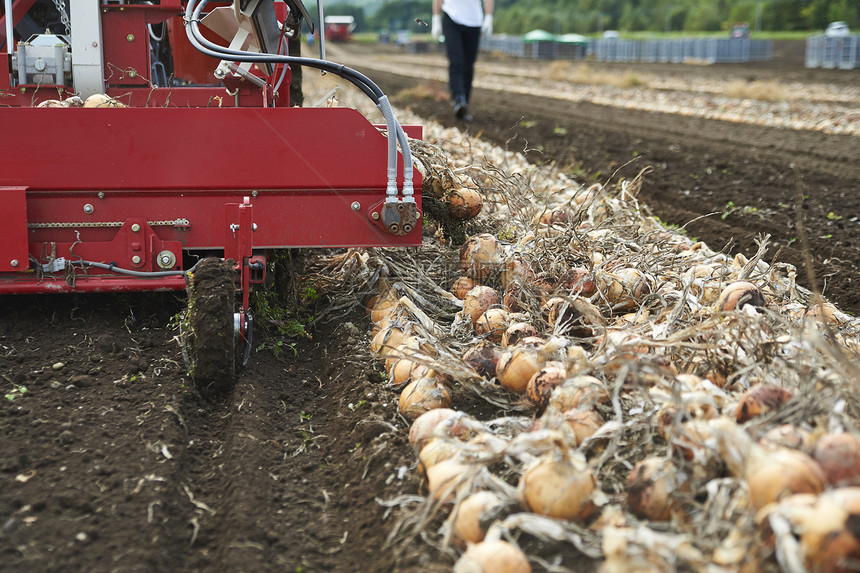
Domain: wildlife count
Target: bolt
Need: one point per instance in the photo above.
(101, 195)
(135, 228)
(253, 227)
(165, 260)
(407, 228)
(88, 208)
(132, 74)
(130, 37)
(14, 263)
(254, 193)
(95, 44)
(375, 216)
(356, 205)
(135, 259)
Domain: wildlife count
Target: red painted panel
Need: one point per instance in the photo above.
(13, 229)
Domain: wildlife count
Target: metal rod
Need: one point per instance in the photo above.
(10, 28)
(321, 16)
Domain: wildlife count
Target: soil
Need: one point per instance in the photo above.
(112, 460)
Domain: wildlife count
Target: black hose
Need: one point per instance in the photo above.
(192, 17)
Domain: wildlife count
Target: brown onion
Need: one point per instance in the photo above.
(481, 255)
(436, 450)
(483, 358)
(424, 425)
(787, 436)
(516, 367)
(492, 557)
(462, 286)
(839, 457)
(516, 332)
(650, 486)
(636, 286)
(829, 536)
(516, 272)
(384, 306)
(772, 475)
(579, 392)
(493, 323)
(464, 203)
(542, 383)
(387, 338)
(737, 295)
(102, 100)
(575, 315)
(560, 488)
(761, 399)
(445, 478)
(583, 423)
(580, 281)
(559, 216)
(424, 394)
(467, 523)
(478, 300)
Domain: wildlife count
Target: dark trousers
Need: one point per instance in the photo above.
(461, 43)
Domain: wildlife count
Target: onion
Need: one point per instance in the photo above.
(636, 286)
(574, 315)
(650, 486)
(761, 399)
(516, 332)
(445, 478)
(580, 281)
(556, 487)
(478, 300)
(387, 338)
(829, 536)
(542, 383)
(462, 286)
(422, 395)
(52, 103)
(772, 475)
(102, 100)
(464, 203)
(384, 306)
(788, 436)
(839, 457)
(424, 425)
(609, 287)
(436, 450)
(579, 392)
(737, 295)
(481, 255)
(516, 367)
(516, 272)
(483, 358)
(584, 423)
(558, 216)
(493, 323)
(492, 557)
(467, 522)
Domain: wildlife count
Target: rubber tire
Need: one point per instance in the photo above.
(211, 341)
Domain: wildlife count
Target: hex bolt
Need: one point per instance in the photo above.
(88, 208)
(135, 259)
(14, 262)
(135, 228)
(355, 205)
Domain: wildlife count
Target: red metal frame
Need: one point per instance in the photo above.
(188, 170)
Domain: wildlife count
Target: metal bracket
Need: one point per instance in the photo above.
(396, 217)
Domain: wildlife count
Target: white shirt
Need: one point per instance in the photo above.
(465, 12)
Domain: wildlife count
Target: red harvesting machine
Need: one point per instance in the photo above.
(201, 158)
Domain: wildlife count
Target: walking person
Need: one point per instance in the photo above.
(462, 22)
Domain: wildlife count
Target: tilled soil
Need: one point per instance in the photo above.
(111, 460)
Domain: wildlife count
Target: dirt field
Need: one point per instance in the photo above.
(111, 461)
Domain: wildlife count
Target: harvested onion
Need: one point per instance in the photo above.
(516, 367)
(479, 300)
(839, 457)
(493, 323)
(737, 295)
(467, 523)
(543, 382)
(492, 557)
(424, 394)
(423, 427)
(481, 255)
(558, 487)
(650, 488)
(464, 203)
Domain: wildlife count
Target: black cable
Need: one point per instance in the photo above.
(192, 16)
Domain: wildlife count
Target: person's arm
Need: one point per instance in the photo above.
(436, 20)
(487, 26)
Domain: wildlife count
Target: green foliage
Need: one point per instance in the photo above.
(16, 392)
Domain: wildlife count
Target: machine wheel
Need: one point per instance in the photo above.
(211, 342)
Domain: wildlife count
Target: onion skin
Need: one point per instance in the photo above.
(737, 295)
(579, 392)
(516, 332)
(572, 314)
(384, 306)
(478, 300)
(558, 488)
(467, 523)
(492, 557)
(464, 203)
(480, 256)
(516, 272)
(543, 382)
(445, 478)
(830, 536)
(761, 399)
(580, 281)
(436, 450)
(483, 358)
(649, 489)
(462, 286)
(780, 473)
(493, 323)
(559, 216)
(424, 425)
(516, 367)
(422, 395)
(583, 423)
(839, 457)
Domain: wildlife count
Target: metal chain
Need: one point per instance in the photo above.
(64, 17)
(174, 223)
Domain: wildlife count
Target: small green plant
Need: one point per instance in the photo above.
(528, 123)
(352, 406)
(16, 392)
(558, 130)
(355, 448)
(833, 216)
(305, 416)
